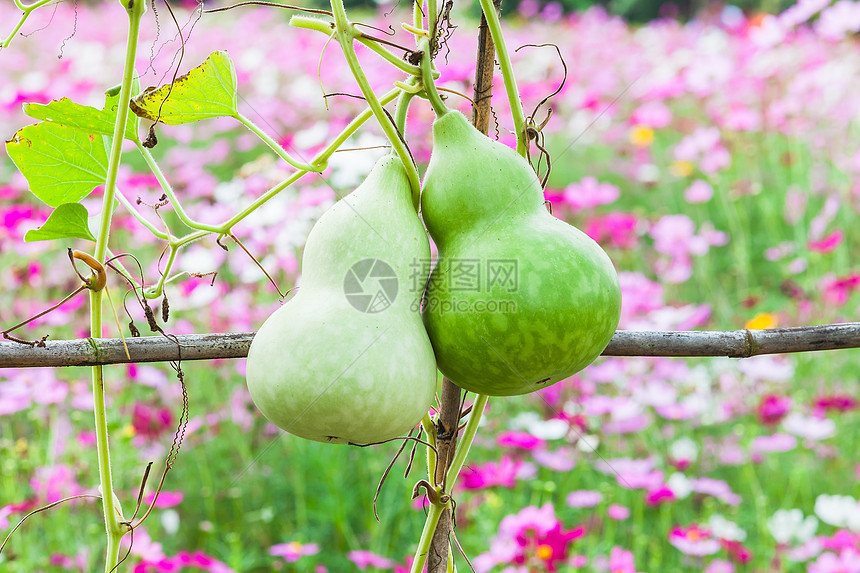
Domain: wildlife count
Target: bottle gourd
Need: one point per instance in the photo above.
(347, 360)
(518, 299)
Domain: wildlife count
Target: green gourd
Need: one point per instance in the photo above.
(518, 299)
(347, 360)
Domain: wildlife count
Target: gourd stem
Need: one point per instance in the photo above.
(168, 190)
(426, 537)
(140, 218)
(27, 11)
(403, 101)
(274, 146)
(465, 442)
(112, 512)
(504, 59)
(322, 156)
(345, 36)
(432, 7)
(427, 78)
(417, 14)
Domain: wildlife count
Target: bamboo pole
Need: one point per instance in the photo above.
(731, 343)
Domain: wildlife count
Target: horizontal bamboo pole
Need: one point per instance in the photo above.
(732, 343)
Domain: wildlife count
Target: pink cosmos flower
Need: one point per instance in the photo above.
(715, 488)
(584, 498)
(720, 566)
(364, 559)
(533, 538)
(777, 442)
(589, 193)
(621, 561)
(53, 483)
(561, 459)
(653, 114)
(846, 561)
(617, 512)
(699, 192)
(165, 499)
(293, 551)
(693, 540)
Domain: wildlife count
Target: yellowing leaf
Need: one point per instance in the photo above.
(209, 90)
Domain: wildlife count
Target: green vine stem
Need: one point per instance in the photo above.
(346, 32)
(27, 9)
(112, 511)
(427, 78)
(426, 537)
(326, 27)
(273, 145)
(464, 443)
(504, 60)
(168, 190)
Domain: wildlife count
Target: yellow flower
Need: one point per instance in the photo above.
(681, 168)
(641, 136)
(128, 431)
(761, 321)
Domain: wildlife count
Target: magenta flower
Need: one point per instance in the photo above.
(660, 495)
(772, 408)
(614, 229)
(693, 540)
(522, 440)
(737, 551)
(492, 474)
(293, 551)
(828, 244)
(835, 403)
(532, 538)
(151, 421)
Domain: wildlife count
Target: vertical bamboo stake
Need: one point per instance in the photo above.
(449, 417)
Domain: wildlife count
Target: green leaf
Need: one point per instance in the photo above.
(71, 114)
(62, 164)
(209, 90)
(68, 221)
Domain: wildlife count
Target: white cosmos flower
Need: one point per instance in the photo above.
(838, 511)
(725, 529)
(789, 525)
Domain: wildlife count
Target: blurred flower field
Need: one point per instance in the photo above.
(717, 161)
